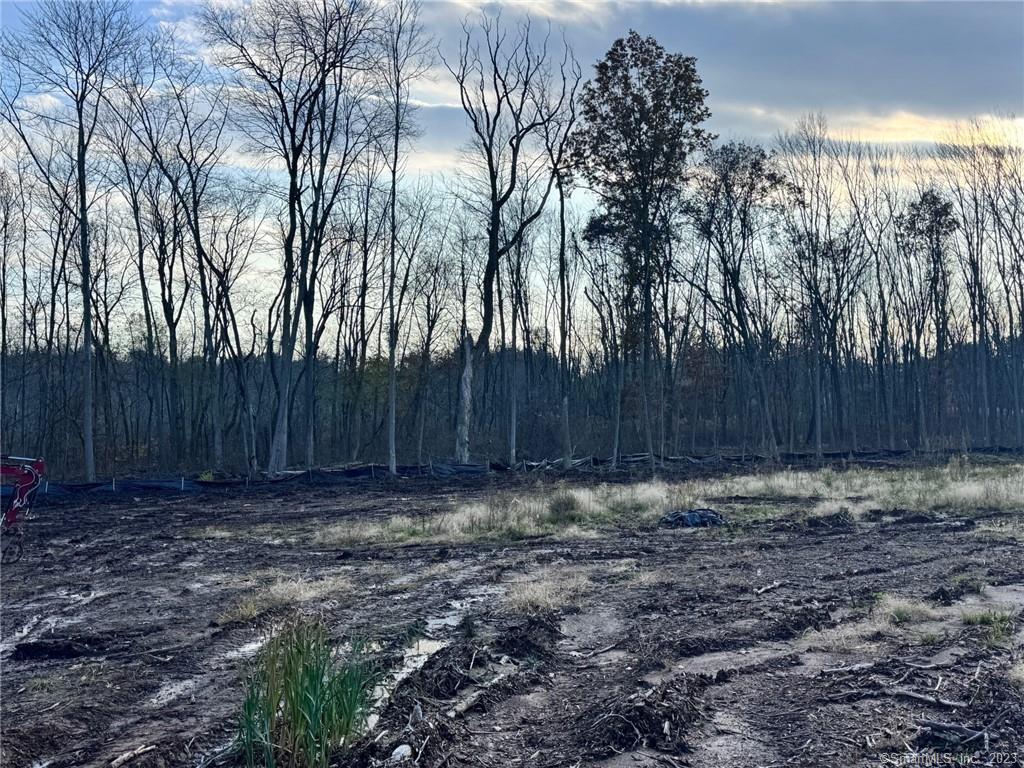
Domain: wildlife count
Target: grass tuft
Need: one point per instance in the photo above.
(549, 590)
(301, 704)
(1017, 674)
(280, 593)
(998, 623)
(899, 611)
(564, 508)
(968, 585)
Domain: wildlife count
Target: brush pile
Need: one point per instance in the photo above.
(654, 717)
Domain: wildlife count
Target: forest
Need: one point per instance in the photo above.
(215, 257)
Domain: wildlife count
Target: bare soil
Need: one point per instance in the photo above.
(734, 646)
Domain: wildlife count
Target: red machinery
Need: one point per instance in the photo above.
(25, 475)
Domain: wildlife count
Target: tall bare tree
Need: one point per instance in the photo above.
(408, 56)
(68, 53)
(301, 71)
(512, 95)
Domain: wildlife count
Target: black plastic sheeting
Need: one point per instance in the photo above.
(335, 475)
(324, 476)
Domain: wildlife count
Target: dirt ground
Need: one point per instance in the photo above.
(126, 628)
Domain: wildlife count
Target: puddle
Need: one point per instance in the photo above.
(413, 658)
(457, 609)
(204, 759)
(246, 651)
(170, 691)
(66, 600)
(712, 663)
(14, 639)
(419, 651)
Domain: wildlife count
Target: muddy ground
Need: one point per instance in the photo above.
(752, 645)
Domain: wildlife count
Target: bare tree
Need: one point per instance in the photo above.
(827, 255)
(408, 56)
(733, 212)
(300, 67)
(71, 49)
(511, 96)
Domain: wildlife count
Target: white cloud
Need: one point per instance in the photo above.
(907, 127)
(41, 102)
(894, 127)
(432, 161)
(236, 159)
(561, 11)
(437, 89)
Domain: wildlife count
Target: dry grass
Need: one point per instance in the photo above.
(550, 589)
(281, 593)
(900, 611)
(959, 485)
(500, 519)
(630, 570)
(848, 637)
(574, 512)
(245, 610)
(1012, 530)
(997, 623)
(830, 507)
(890, 616)
(210, 532)
(1017, 674)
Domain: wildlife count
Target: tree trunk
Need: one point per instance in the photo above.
(218, 424)
(87, 382)
(310, 403)
(277, 461)
(392, 408)
(619, 384)
(465, 409)
(513, 400)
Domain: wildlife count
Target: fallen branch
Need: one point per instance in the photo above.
(769, 588)
(964, 734)
(147, 652)
(599, 651)
(853, 668)
(945, 665)
(131, 755)
(933, 700)
(962, 731)
(474, 697)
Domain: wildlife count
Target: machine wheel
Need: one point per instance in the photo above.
(10, 547)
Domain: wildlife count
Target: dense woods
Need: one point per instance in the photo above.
(217, 259)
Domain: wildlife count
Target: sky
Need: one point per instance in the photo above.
(880, 71)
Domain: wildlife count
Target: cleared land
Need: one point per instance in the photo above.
(845, 617)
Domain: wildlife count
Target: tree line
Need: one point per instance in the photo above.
(216, 258)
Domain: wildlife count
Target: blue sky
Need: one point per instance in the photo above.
(899, 71)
